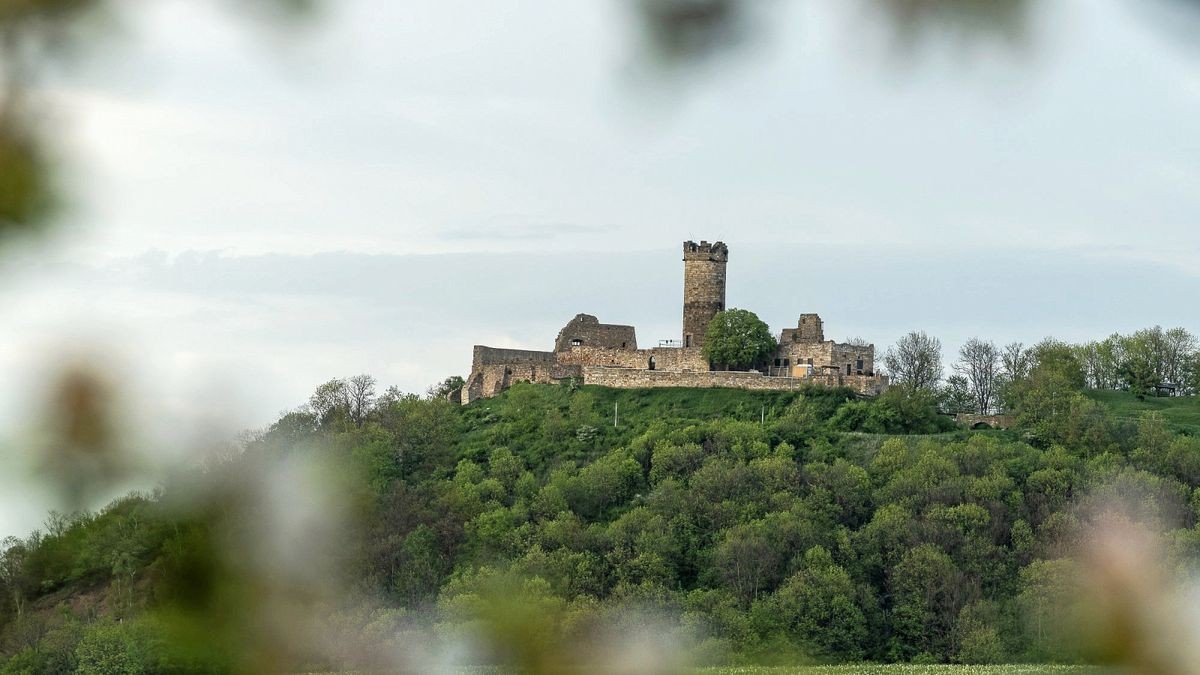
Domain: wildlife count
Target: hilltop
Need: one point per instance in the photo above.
(764, 526)
(1181, 413)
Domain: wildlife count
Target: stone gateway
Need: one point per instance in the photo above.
(608, 355)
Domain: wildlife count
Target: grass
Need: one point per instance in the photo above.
(869, 669)
(1182, 413)
(904, 669)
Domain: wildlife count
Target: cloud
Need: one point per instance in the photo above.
(515, 231)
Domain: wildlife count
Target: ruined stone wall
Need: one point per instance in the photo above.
(867, 385)
(493, 369)
(487, 356)
(586, 330)
(846, 355)
(665, 358)
(489, 380)
(973, 421)
(687, 359)
(703, 288)
(629, 378)
(823, 356)
(798, 354)
(809, 328)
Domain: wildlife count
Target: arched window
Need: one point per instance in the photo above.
(576, 342)
(650, 366)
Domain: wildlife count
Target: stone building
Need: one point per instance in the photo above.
(703, 288)
(803, 351)
(608, 355)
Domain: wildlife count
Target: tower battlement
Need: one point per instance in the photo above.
(716, 251)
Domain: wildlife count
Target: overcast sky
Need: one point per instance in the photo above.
(255, 212)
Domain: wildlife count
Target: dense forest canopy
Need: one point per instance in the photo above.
(750, 526)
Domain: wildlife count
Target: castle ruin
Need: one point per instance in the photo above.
(608, 354)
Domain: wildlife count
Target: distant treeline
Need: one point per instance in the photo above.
(986, 378)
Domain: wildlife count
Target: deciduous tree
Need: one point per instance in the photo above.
(915, 361)
(738, 339)
(979, 363)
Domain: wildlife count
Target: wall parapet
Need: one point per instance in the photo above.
(975, 421)
(489, 356)
(630, 378)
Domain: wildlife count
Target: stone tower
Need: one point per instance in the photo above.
(703, 288)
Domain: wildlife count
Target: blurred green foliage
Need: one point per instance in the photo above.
(25, 196)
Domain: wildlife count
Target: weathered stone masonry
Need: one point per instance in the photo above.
(703, 288)
(607, 354)
(586, 330)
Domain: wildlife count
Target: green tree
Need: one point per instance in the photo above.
(738, 339)
(979, 364)
(419, 567)
(819, 606)
(977, 634)
(128, 648)
(746, 559)
(928, 593)
(446, 387)
(1049, 599)
(915, 361)
(13, 552)
(957, 396)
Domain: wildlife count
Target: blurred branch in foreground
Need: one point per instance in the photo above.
(964, 21)
(26, 196)
(83, 455)
(32, 34)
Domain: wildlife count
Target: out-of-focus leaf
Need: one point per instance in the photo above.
(914, 22)
(83, 455)
(692, 30)
(26, 189)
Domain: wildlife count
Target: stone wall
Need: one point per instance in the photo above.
(809, 328)
(629, 378)
(794, 358)
(586, 330)
(972, 421)
(665, 358)
(494, 369)
(489, 380)
(703, 288)
(860, 359)
(487, 356)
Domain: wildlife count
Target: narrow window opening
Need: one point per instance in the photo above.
(576, 342)
(651, 365)
(687, 340)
